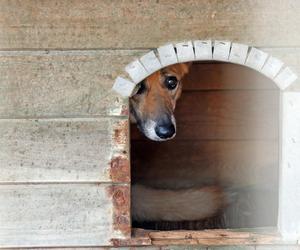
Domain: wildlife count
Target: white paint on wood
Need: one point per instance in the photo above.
(238, 53)
(56, 215)
(285, 78)
(272, 67)
(203, 49)
(136, 71)
(185, 51)
(256, 59)
(150, 62)
(124, 87)
(167, 55)
(289, 196)
(221, 50)
(46, 150)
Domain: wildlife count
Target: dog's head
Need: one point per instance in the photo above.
(153, 104)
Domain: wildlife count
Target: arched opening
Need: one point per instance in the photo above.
(228, 135)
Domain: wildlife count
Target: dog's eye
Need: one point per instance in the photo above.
(142, 88)
(171, 82)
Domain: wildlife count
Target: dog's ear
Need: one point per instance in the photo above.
(184, 68)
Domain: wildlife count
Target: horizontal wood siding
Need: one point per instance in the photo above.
(135, 24)
(59, 215)
(57, 84)
(72, 150)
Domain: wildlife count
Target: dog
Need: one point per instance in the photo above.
(152, 109)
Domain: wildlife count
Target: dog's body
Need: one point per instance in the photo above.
(171, 197)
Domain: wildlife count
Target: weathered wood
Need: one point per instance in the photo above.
(232, 248)
(61, 214)
(230, 162)
(79, 149)
(212, 237)
(67, 83)
(78, 83)
(289, 196)
(283, 247)
(226, 115)
(133, 24)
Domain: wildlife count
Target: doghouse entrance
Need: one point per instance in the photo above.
(227, 135)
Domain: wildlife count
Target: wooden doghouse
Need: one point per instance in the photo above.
(64, 134)
(243, 133)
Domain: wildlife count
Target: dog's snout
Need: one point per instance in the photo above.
(165, 131)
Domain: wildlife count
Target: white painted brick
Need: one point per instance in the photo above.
(238, 53)
(185, 51)
(256, 58)
(167, 55)
(285, 78)
(221, 50)
(272, 67)
(203, 50)
(136, 71)
(124, 87)
(150, 62)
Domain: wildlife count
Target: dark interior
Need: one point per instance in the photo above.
(227, 129)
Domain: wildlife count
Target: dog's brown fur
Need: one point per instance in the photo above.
(162, 199)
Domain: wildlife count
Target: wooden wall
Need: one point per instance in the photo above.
(63, 140)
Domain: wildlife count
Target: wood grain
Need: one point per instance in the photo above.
(78, 83)
(54, 150)
(56, 215)
(58, 84)
(135, 24)
(232, 115)
(232, 163)
(224, 76)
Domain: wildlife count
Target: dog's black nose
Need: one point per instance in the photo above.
(165, 131)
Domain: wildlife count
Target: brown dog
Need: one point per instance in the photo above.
(152, 109)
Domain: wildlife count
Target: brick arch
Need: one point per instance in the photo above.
(204, 50)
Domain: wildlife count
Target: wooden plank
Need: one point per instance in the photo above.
(62, 214)
(213, 76)
(289, 196)
(78, 83)
(226, 115)
(217, 237)
(79, 149)
(65, 83)
(233, 163)
(232, 248)
(103, 24)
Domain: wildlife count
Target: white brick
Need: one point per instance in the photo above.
(203, 50)
(150, 62)
(167, 55)
(272, 67)
(238, 53)
(221, 50)
(256, 59)
(285, 78)
(136, 71)
(185, 51)
(124, 87)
